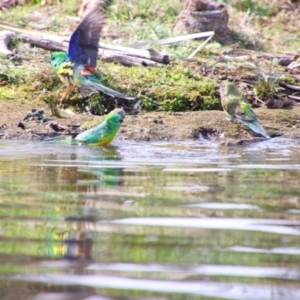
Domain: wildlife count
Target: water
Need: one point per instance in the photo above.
(192, 220)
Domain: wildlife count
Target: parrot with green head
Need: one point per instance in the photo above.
(237, 107)
(78, 66)
(105, 132)
(100, 135)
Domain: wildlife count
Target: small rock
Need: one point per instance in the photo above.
(21, 125)
(158, 121)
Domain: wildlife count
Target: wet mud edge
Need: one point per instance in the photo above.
(149, 126)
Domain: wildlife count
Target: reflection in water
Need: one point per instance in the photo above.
(71, 245)
(149, 221)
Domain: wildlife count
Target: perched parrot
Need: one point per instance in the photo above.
(78, 66)
(237, 107)
(105, 132)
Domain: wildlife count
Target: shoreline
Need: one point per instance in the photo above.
(150, 126)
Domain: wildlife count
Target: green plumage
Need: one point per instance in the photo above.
(78, 66)
(100, 135)
(237, 107)
(105, 132)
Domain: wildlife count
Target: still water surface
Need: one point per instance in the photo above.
(150, 221)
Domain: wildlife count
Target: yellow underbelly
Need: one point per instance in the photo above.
(66, 74)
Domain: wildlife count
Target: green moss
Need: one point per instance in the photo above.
(168, 88)
(7, 93)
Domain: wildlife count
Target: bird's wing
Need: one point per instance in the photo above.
(91, 135)
(83, 46)
(244, 112)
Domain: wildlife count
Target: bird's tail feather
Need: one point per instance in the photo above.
(256, 127)
(107, 91)
(61, 139)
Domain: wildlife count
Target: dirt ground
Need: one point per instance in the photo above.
(159, 126)
(15, 122)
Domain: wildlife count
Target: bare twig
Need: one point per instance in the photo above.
(175, 39)
(201, 46)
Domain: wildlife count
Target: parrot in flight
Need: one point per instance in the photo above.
(237, 107)
(78, 66)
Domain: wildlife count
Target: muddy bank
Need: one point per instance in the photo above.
(158, 126)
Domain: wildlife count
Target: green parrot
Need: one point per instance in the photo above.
(78, 66)
(100, 135)
(105, 132)
(237, 107)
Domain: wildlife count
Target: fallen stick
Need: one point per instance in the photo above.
(127, 60)
(294, 98)
(175, 39)
(150, 53)
(201, 46)
(5, 37)
(243, 52)
(290, 86)
(45, 42)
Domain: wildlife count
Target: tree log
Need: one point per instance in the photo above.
(142, 57)
(150, 54)
(5, 37)
(47, 43)
(204, 15)
(124, 55)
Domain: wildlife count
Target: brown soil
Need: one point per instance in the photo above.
(158, 126)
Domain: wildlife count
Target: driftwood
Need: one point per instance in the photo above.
(124, 55)
(295, 98)
(150, 54)
(290, 86)
(5, 37)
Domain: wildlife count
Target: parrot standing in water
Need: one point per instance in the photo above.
(237, 107)
(78, 66)
(100, 135)
(105, 132)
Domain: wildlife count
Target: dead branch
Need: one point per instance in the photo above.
(243, 52)
(127, 60)
(146, 58)
(294, 98)
(290, 86)
(5, 37)
(149, 54)
(124, 55)
(44, 42)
